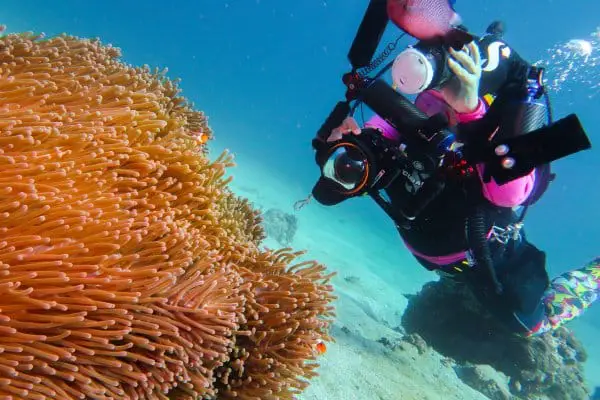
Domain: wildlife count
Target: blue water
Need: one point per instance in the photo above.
(267, 72)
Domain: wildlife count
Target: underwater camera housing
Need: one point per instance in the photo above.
(429, 153)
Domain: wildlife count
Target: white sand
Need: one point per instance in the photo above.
(370, 302)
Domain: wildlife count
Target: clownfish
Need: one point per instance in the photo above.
(320, 347)
(202, 137)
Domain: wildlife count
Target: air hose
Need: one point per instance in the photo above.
(477, 232)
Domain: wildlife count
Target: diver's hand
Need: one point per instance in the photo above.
(462, 94)
(348, 126)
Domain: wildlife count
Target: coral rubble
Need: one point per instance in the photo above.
(449, 318)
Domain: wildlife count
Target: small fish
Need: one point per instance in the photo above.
(201, 136)
(320, 347)
(426, 19)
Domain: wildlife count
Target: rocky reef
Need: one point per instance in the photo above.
(280, 225)
(492, 361)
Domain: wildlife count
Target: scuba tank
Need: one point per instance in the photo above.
(529, 113)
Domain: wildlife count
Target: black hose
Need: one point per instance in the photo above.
(480, 247)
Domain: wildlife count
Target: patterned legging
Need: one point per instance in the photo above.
(569, 295)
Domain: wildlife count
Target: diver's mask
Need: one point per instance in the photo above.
(419, 68)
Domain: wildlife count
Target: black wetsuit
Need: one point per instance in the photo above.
(441, 227)
(445, 216)
(439, 230)
(445, 225)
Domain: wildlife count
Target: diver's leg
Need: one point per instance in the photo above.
(569, 295)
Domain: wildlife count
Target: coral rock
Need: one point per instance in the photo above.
(280, 226)
(449, 318)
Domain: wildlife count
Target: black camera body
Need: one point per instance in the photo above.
(429, 153)
(369, 163)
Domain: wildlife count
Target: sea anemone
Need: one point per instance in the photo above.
(128, 269)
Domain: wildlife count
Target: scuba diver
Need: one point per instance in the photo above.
(461, 216)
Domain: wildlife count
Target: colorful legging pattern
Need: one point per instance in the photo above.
(569, 295)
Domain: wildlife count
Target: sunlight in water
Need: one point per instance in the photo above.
(574, 64)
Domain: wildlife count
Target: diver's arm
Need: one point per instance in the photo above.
(387, 130)
(390, 132)
(474, 115)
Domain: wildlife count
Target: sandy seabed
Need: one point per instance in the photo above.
(374, 272)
